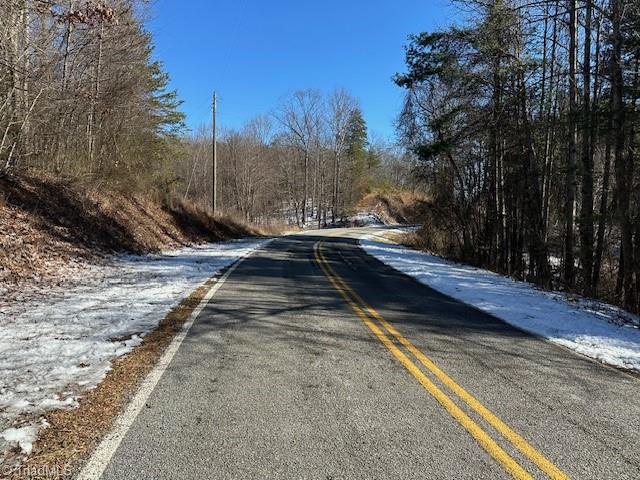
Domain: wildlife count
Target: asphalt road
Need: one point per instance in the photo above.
(314, 360)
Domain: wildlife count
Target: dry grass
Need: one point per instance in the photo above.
(73, 434)
(431, 239)
(398, 207)
(405, 207)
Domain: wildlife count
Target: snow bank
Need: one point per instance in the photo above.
(591, 328)
(58, 344)
(366, 219)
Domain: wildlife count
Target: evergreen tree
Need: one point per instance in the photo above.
(357, 153)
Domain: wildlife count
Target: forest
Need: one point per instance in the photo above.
(309, 162)
(524, 121)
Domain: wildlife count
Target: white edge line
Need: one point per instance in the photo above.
(101, 456)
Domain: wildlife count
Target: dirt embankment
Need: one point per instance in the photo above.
(49, 227)
(396, 208)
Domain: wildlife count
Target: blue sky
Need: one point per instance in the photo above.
(254, 52)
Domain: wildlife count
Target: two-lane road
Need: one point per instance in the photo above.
(314, 360)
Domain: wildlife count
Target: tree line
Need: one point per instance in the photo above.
(308, 161)
(524, 120)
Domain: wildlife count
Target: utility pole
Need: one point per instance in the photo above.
(214, 191)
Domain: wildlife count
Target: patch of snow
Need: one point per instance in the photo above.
(57, 345)
(22, 437)
(591, 328)
(366, 219)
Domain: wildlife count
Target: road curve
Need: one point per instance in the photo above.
(314, 360)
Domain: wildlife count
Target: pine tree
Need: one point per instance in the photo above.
(357, 152)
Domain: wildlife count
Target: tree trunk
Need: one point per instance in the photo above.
(569, 262)
(603, 211)
(623, 180)
(492, 201)
(94, 101)
(549, 109)
(305, 188)
(334, 200)
(586, 210)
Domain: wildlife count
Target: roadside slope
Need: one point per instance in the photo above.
(391, 208)
(48, 228)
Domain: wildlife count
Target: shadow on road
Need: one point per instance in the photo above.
(274, 289)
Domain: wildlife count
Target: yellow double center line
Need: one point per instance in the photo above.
(369, 316)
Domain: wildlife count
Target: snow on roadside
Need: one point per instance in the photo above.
(61, 343)
(590, 328)
(366, 219)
